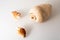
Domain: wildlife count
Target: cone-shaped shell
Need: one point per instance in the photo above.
(40, 13)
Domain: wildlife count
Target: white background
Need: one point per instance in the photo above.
(49, 30)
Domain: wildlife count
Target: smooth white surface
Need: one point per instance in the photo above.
(49, 30)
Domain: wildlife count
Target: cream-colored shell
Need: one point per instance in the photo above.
(40, 13)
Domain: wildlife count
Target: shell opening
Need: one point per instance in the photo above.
(33, 17)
